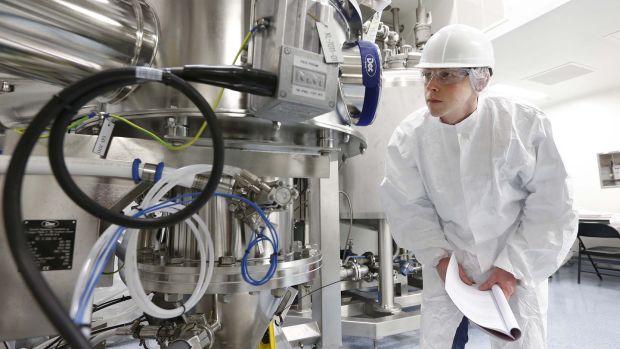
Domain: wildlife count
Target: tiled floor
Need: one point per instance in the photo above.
(580, 316)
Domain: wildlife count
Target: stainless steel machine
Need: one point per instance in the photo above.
(391, 270)
(376, 299)
(285, 148)
(294, 153)
(396, 306)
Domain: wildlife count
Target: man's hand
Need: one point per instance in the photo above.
(442, 267)
(504, 279)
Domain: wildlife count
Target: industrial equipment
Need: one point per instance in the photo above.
(142, 133)
(395, 308)
(173, 171)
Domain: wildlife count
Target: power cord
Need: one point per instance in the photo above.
(60, 110)
(97, 307)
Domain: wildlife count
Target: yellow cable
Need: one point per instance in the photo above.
(78, 122)
(161, 141)
(21, 130)
(203, 127)
(271, 336)
(143, 130)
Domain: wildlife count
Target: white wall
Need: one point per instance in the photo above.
(583, 128)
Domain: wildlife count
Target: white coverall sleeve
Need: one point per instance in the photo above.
(411, 215)
(549, 224)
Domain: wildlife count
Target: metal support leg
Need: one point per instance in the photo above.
(304, 305)
(579, 267)
(324, 230)
(595, 267)
(386, 290)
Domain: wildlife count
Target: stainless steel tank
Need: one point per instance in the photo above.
(202, 32)
(360, 177)
(62, 41)
(171, 268)
(195, 32)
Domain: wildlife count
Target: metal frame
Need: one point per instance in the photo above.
(324, 225)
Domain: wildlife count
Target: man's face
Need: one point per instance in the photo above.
(448, 92)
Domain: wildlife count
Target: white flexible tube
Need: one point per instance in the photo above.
(131, 270)
(169, 182)
(128, 314)
(185, 177)
(134, 283)
(102, 336)
(133, 279)
(40, 165)
(86, 270)
(114, 295)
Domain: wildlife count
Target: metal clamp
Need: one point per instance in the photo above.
(148, 172)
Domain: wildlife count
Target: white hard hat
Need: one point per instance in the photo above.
(457, 46)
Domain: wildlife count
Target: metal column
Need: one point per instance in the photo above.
(386, 290)
(324, 230)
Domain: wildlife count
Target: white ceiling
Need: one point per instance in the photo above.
(573, 32)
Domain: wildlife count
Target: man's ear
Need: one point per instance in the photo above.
(482, 84)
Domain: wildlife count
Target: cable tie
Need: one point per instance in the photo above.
(135, 170)
(66, 106)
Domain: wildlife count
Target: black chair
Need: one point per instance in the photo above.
(597, 230)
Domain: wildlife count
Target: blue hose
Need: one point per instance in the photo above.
(110, 247)
(108, 250)
(255, 240)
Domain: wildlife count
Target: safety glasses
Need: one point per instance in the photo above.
(444, 76)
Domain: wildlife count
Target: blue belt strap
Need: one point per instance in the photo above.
(371, 77)
(461, 337)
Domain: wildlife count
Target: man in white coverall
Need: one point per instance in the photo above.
(479, 176)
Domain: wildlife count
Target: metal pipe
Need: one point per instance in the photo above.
(386, 286)
(353, 272)
(63, 41)
(422, 27)
(346, 273)
(284, 220)
(396, 17)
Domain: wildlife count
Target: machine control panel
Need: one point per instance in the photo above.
(307, 87)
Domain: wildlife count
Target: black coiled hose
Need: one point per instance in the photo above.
(59, 110)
